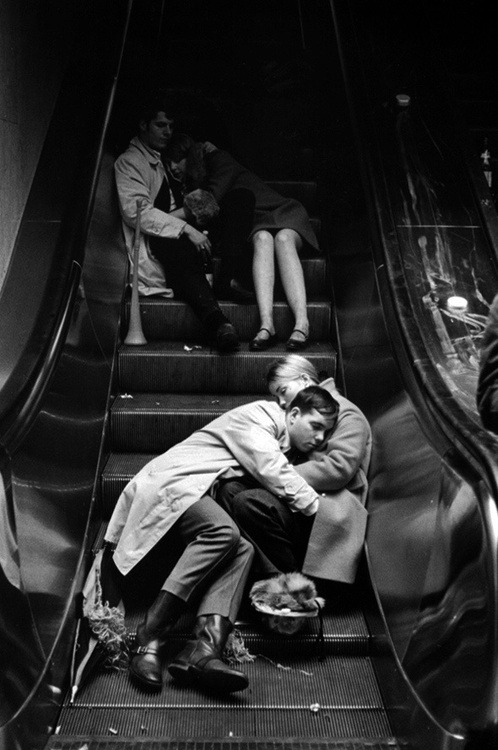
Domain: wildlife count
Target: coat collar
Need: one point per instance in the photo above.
(153, 157)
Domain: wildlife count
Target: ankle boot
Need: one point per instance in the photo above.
(200, 662)
(146, 665)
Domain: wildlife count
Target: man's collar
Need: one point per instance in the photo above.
(153, 155)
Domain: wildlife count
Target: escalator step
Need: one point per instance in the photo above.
(139, 743)
(300, 698)
(152, 368)
(154, 422)
(174, 320)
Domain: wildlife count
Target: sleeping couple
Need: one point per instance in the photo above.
(268, 488)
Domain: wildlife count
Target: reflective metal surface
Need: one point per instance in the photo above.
(432, 535)
(47, 490)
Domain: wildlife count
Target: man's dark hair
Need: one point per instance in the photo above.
(315, 397)
(156, 102)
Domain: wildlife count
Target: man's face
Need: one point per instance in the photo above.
(308, 430)
(157, 132)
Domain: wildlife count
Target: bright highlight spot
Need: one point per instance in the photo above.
(457, 304)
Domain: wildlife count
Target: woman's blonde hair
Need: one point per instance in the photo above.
(291, 367)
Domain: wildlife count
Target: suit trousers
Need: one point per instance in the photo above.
(231, 232)
(202, 559)
(279, 535)
(184, 271)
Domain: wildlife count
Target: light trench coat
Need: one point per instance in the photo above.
(250, 438)
(139, 174)
(338, 471)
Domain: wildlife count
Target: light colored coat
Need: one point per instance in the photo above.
(139, 174)
(249, 438)
(338, 471)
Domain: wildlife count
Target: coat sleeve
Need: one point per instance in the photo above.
(487, 385)
(252, 440)
(222, 172)
(337, 464)
(131, 186)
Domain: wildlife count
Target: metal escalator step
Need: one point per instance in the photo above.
(174, 320)
(344, 632)
(138, 743)
(153, 422)
(299, 698)
(169, 367)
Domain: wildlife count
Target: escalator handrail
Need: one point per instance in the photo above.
(25, 377)
(445, 421)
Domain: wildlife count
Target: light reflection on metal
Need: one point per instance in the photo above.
(457, 304)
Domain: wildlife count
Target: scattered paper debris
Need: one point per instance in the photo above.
(112, 730)
(315, 707)
(191, 348)
(125, 395)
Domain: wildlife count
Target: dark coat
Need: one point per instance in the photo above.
(273, 211)
(487, 385)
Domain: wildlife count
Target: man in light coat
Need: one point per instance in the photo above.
(168, 243)
(167, 507)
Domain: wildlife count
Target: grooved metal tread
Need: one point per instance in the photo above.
(291, 697)
(344, 632)
(315, 349)
(178, 403)
(172, 366)
(147, 422)
(173, 319)
(126, 743)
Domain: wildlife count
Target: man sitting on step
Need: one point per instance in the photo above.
(166, 513)
(169, 244)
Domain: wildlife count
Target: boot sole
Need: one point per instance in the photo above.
(190, 675)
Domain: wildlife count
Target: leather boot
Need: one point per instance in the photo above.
(146, 665)
(200, 662)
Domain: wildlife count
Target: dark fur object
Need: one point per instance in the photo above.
(288, 591)
(200, 207)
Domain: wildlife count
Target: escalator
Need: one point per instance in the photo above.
(409, 654)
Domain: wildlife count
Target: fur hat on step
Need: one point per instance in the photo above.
(286, 601)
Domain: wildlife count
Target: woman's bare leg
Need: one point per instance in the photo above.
(263, 272)
(287, 244)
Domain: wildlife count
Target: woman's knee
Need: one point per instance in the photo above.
(262, 237)
(287, 239)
